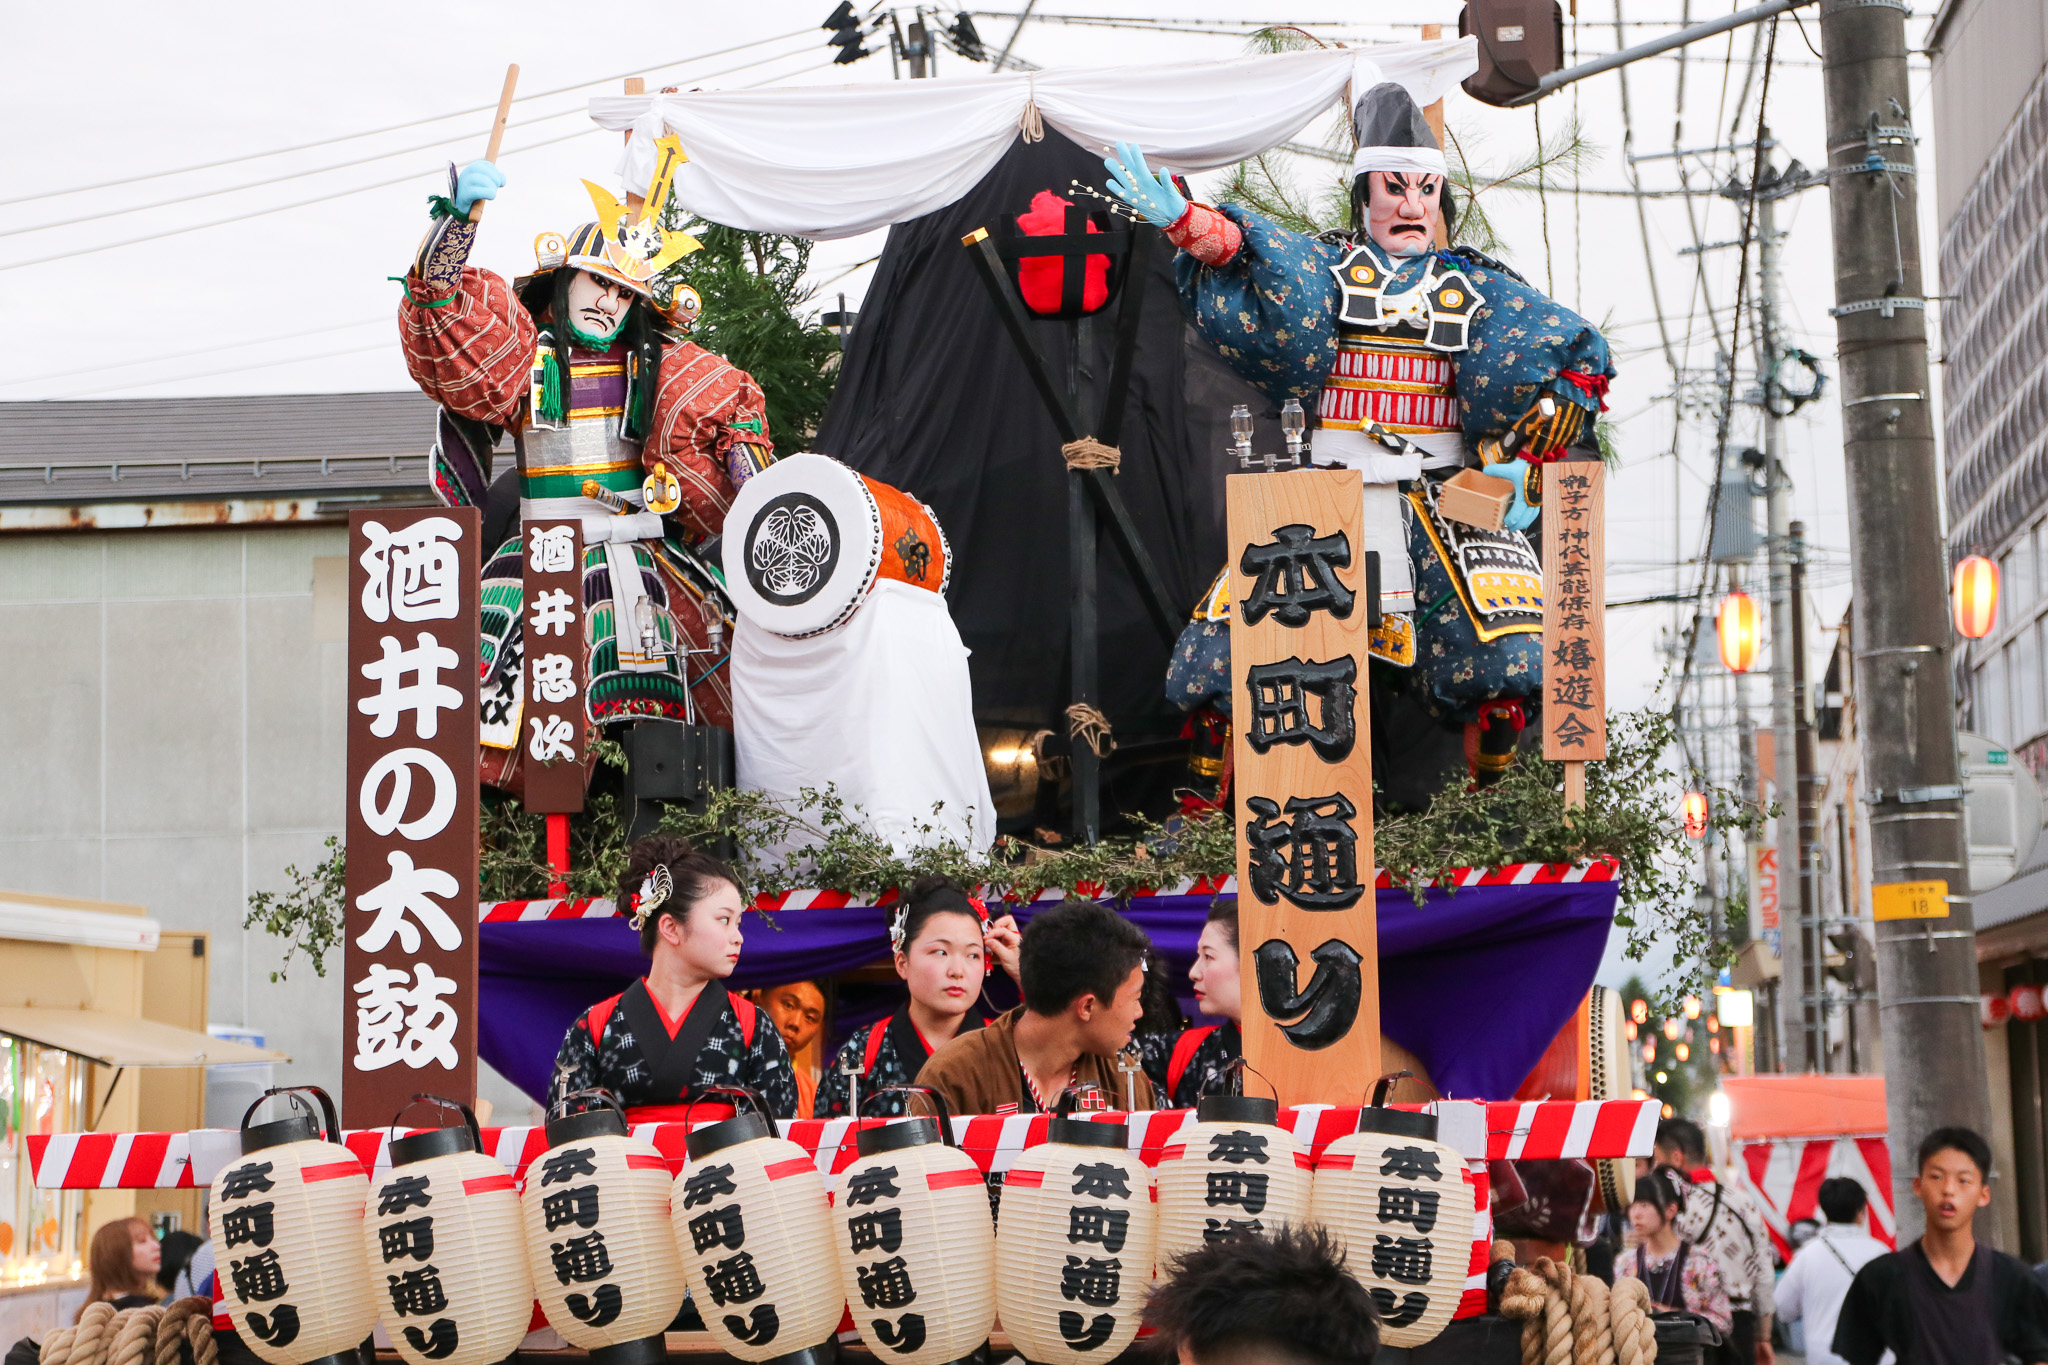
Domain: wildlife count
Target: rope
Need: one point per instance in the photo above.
(1557, 1311)
(57, 1346)
(1091, 727)
(172, 1330)
(1521, 1300)
(135, 1342)
(1089, 453)
(1029, 123)
(199, 1336)
(1635, 1336)
(90, 1339)
(1592, 1323)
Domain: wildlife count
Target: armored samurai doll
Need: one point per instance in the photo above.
(1417, 362)
(617, 419)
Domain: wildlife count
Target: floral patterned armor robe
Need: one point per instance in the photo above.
(666, 465)
(1450, 352)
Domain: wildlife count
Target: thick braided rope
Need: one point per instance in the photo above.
(1521, 1300)
(57, 1346)
(1557, 1311)
(135, 1343)
(199, 1336)
(170, 1329)
(90, 1339)
(1635, 1336)
(1592, 1324)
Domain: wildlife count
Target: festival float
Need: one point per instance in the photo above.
(655, 568)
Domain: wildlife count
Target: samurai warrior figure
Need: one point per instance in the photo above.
(1418, 361)
(617, 419)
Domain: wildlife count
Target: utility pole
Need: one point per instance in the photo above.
(1926, 968)
(1806, 787)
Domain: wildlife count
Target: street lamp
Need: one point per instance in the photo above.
(1692, 814)
(1738, 626)
(1974, 596)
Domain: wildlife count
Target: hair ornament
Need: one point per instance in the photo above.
(896, 923)
(655, 889)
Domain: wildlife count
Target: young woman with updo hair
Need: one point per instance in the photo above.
(1185, 1064)
(943, 941)
(677, 1029)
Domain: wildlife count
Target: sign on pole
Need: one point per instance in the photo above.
(555, 657)
(1574, 612)
(409, 1007)
(1301, 609)
(1763, 892)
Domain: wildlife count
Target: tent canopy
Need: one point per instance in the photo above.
(123, 1040)
(835, 161)
(1803, 1106)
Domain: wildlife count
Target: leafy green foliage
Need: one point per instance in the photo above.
(308, 916)
(755, 315)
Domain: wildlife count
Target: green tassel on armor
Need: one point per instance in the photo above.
(552, 406)
(441, 206)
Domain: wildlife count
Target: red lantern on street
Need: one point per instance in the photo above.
(1993, 1010)
(1692, 814)
(2026, 1003)
(1974, 596)
(1740, 629)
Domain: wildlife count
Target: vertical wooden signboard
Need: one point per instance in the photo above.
(1574, 618)
(555, 667)
(1298, 624)
(409, 1007)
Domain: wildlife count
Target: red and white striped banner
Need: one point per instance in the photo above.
(1514, 874)
(1784, 1177)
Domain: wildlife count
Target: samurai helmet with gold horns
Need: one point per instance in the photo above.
(627, 245)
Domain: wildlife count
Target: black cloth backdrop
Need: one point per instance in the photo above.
(933, 399)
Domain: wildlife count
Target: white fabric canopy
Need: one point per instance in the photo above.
(834, 161)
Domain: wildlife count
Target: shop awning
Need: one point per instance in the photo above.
(121, 1040)
(1803, 1106)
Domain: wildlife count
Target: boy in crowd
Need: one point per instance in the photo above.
(1281, 1299)
(1946, 1299)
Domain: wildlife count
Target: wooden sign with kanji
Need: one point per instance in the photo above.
(1300, 613)
(1574, 611)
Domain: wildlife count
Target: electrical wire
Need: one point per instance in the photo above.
(104, 366)
(394, 127)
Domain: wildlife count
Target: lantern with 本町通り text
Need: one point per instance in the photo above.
(604, 1262)
(916, 1242)
(1397, 1199)
(755, 1233)
(437, 1235)
(1231, 1168)
(1074, 1245)
(287, 1230)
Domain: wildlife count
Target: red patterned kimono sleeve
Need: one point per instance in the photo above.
(703, 406)
(1206, 235)
(472, 350)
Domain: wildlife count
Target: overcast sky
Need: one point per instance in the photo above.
(268, 275)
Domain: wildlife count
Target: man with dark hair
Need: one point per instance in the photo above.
(1724, 1221)
(1946, 1299)
(1082, 969)
(1280, 1299)
(1822, 1270)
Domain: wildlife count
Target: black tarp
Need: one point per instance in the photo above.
(934, 399)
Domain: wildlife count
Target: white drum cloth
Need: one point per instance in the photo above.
(880, 708)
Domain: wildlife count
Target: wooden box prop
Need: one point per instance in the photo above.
(1574, 612)
(1398, 1199)
(1476, 499)
(1298, 627)
(1074, 1245)
(437, 1236)
(409, 939)
(1230, 1169)
(755, 1233)
(555, 668)
(286, 1221)
(916, 1241)
(598, 1243)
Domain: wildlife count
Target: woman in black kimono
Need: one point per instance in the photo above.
(1186, 1063)
(943, 941)
(677, 1029)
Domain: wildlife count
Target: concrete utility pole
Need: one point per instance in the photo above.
(1806, 789)
(1926, 968)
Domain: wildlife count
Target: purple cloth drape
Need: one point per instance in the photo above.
(1475, 983)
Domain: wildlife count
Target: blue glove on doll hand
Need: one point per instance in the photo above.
(1150, 192)
(478, 180)
(1520, 515)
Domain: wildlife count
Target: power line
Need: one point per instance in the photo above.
(399, 127)
(182, 355)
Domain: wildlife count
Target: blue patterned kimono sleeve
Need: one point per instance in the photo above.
(1271, 310)
(1521, 341)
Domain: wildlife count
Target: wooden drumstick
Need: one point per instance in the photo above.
(476, 210)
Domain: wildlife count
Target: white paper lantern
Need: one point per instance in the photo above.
(915, 1241)
(436, 1237)
(1074, 1244)
(1231, 1168)
(286, 1221)
(755, 1233)
(603, 1260)
(1397, 1199)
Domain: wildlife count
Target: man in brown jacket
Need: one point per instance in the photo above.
(1082, 970)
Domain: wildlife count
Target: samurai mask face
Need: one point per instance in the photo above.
(1402, 210)
(597, 306)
